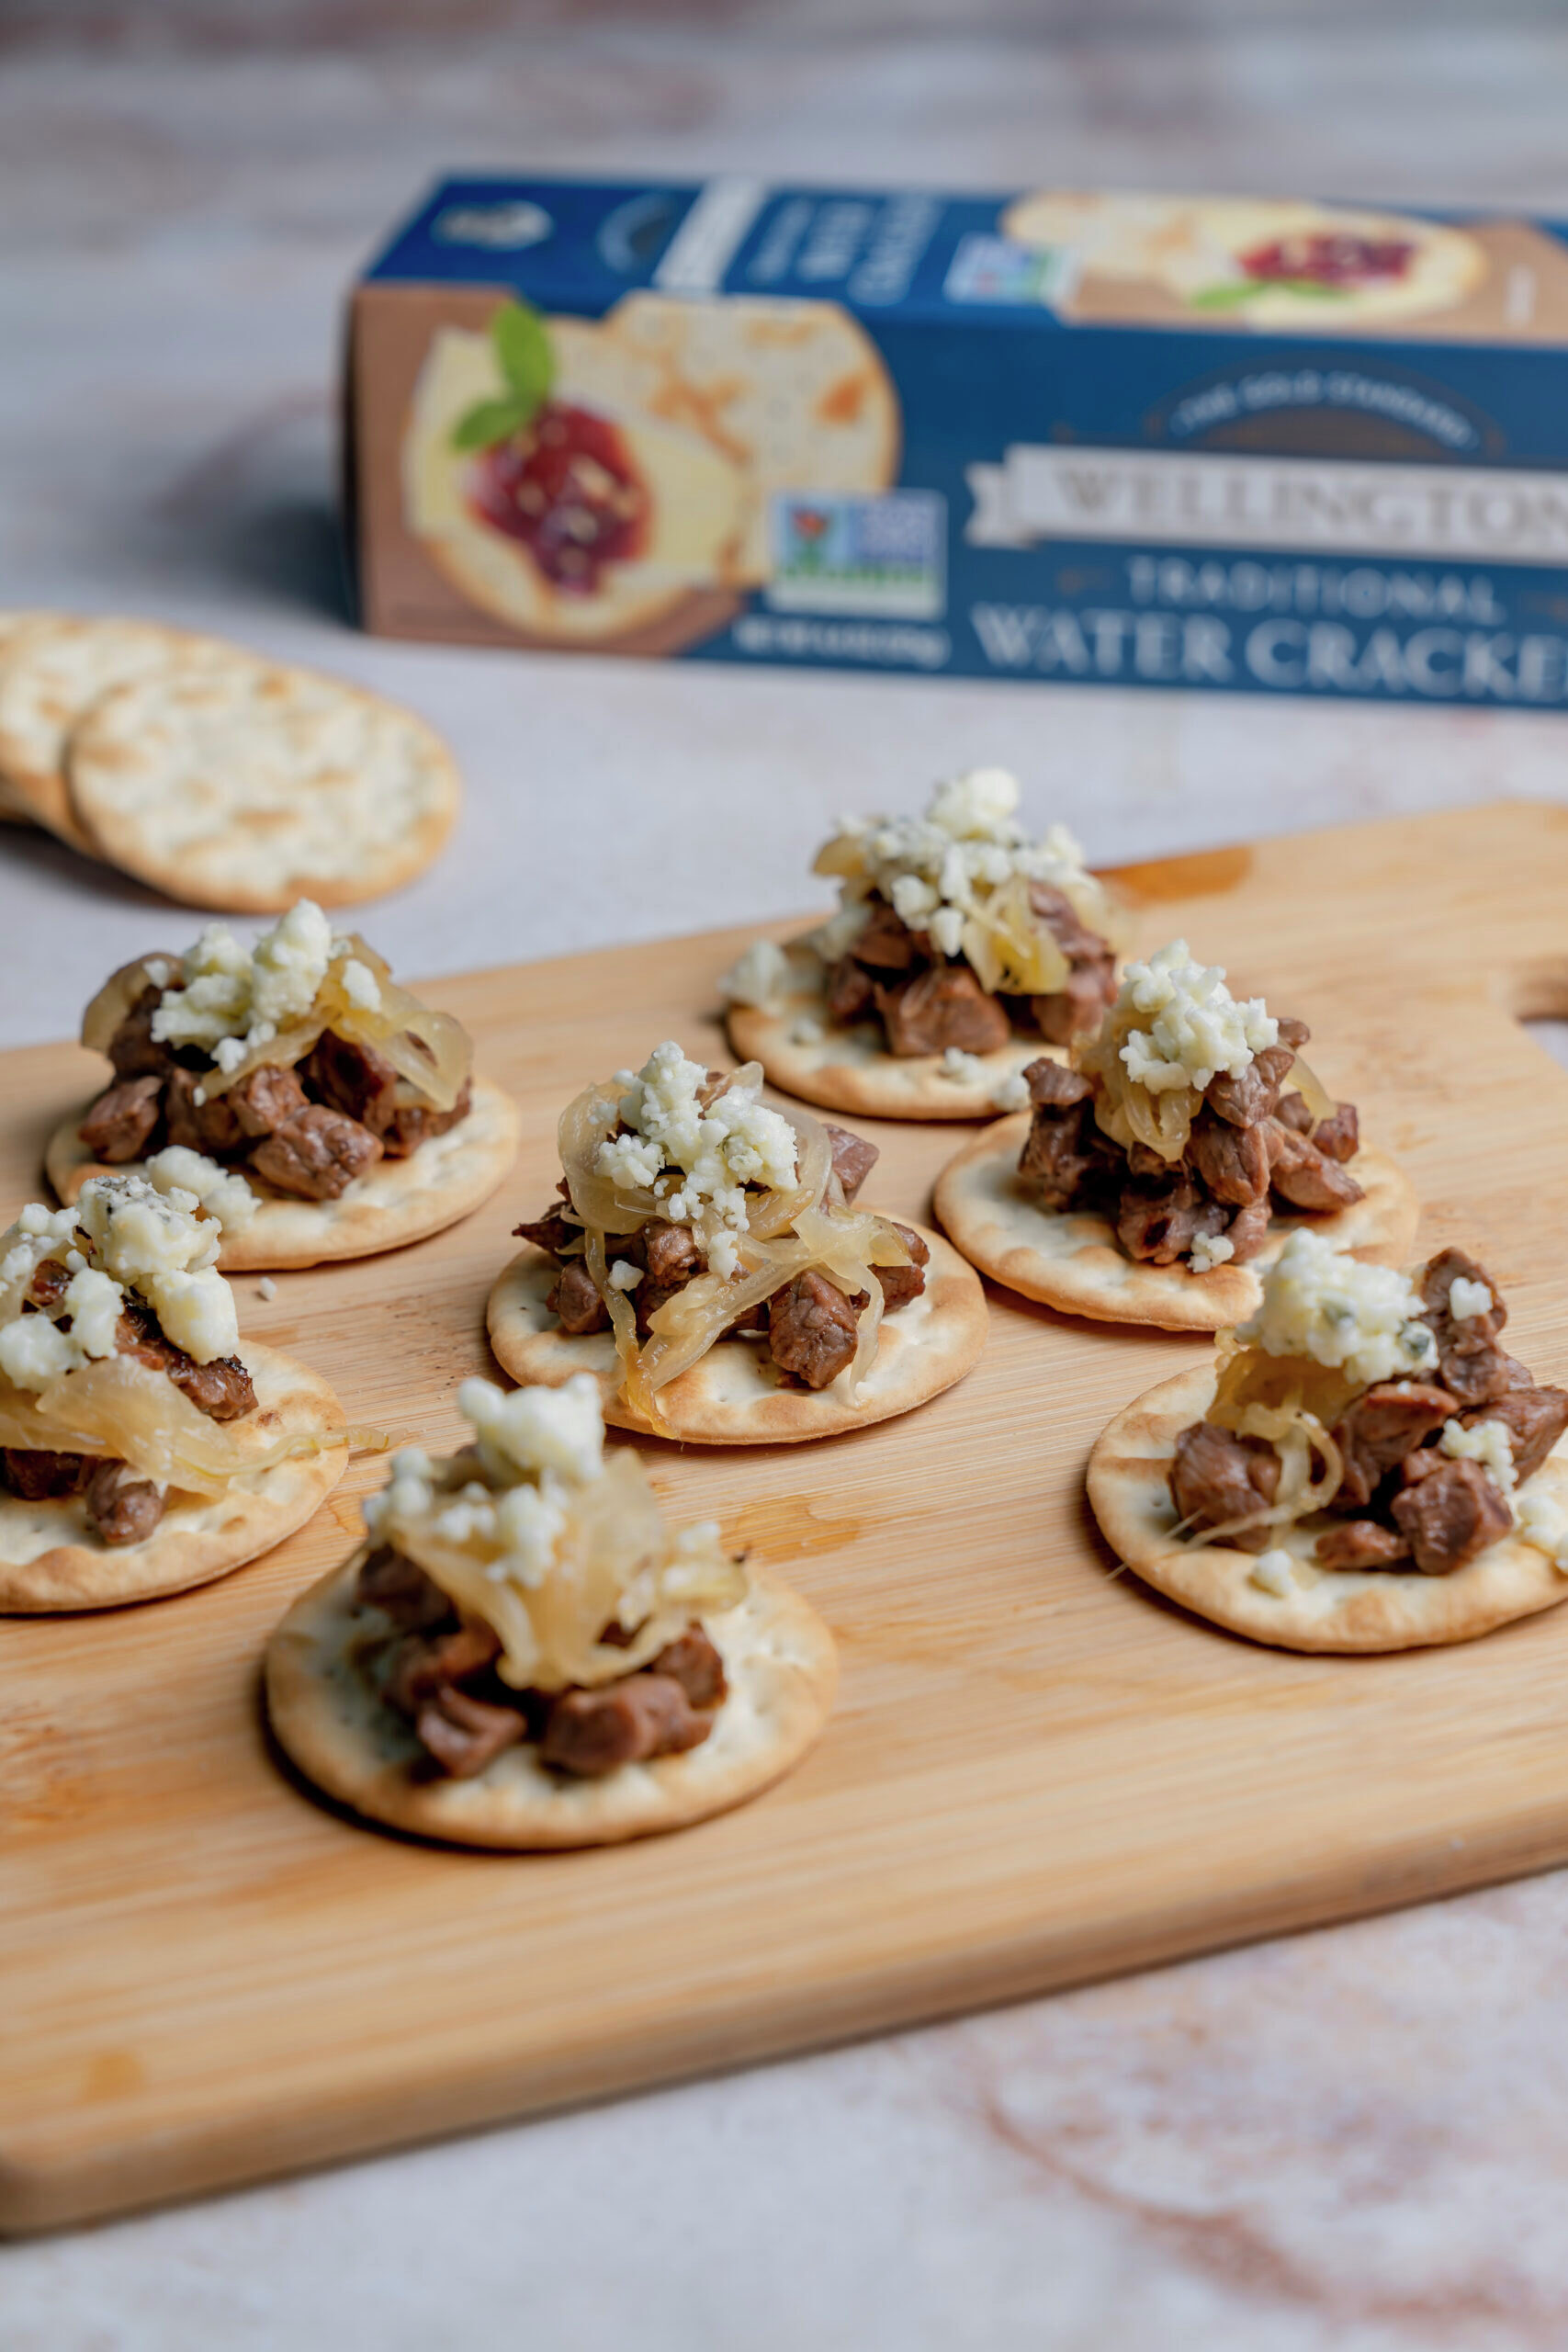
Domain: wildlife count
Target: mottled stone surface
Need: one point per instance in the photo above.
(1357, 2140)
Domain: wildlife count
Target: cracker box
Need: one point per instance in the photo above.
(1240, 444)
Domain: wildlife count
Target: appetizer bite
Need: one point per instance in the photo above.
(522, 1653)
(1170, 1156)
(708, 1263)
(958, 946)
(319, 1108)
(140, 1451)
(1361, 1468)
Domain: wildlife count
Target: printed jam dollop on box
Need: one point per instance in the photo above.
(1239, 444)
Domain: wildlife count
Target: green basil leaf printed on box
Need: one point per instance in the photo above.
(523, 349)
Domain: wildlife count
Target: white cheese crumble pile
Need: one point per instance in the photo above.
(123, 1235)
(1489, 1443)
(716, 1152)
(1542, 1520)
(536, 1444)
(964, 1069)
(1185, 1025)
(1363, 1320)
(940, 870)
(1012, 1094)
(221, 1192)
(237, 998)
(1209, 1251)
(1272, 1572)
(760, 977)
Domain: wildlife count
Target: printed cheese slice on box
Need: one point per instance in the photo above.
(585, 518)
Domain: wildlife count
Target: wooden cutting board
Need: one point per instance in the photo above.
(1037, 1772)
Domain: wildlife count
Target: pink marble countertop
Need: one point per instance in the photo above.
(1356, 2139)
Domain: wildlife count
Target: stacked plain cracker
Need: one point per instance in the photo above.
(211, 773)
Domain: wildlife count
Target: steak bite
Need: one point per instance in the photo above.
(853, 1158)
(1467, 1331)
(1362, 1544)
(38, 1476)
(899, 1284)
(317, 1154)
(221, 1388)
(209, 1125)
(1450, 1516)
(132, 1049)
(589, 1732)
(1216, 1477)
(122, 1508)
(1534, 1417)
(123, 1122)
(943, 1006)
(266, 1100)
(812, 1329)
(1379, 1428)
(575, 1299)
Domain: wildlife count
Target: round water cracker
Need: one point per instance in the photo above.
(247, 784)
(1075, 1262)
(397, 1201)
(52, 670)
(326, 1713)
(730, 1396)
(796, 393)
(50, 1559)
(1336, 1610)
(13, 810)
(852, 1070)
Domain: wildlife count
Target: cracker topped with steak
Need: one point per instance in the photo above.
(708, 1259)
(141, 1450)
(326, 1110)
(959, 949)
(521, 1654)
(1169, 1159)
(1364, 1467)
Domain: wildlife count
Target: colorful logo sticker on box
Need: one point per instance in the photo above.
(839, 554)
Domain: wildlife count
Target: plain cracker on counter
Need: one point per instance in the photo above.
(51, 672)
(200, 1537)
(729, 1396)
(13, 810)
(852, 1070)
(395, 1202)
(1073, 1261)
(778, 1656)
(1338, 1610)
(247, 783)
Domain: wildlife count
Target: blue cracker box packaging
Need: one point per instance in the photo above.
(1239, 444)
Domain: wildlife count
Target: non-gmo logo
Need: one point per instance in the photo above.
(503, 228)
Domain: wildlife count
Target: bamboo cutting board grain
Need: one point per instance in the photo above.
(1037, 1772)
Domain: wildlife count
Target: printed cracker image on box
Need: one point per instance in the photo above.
(581, 479)
(1262, 261)
(1245, 443)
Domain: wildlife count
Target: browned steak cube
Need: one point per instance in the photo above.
(318, 1154)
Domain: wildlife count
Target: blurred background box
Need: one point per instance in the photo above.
(1220, 442)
